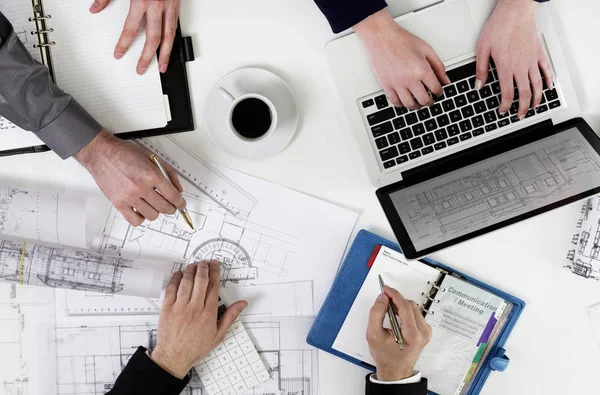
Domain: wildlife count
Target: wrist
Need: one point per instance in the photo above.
(170, 364)
(375, 24)
(394, 374)
(88, 155)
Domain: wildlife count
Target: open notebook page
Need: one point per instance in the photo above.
(409, 277)
(109, 89)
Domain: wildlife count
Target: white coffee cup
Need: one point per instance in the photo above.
(234, 101)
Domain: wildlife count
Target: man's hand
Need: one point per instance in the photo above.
(511, 39)
(123, 171)
(406, 65)
(161, 25)
(187, 328)
(393, 363)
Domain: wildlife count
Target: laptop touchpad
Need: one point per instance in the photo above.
(448, 29)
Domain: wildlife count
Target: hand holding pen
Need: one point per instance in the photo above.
(392, 362)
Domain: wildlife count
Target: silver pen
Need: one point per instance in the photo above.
(393, 319)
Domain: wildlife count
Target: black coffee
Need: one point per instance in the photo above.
(251, 118)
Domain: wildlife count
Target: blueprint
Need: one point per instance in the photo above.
(42, 216)
(583, 256)
(286, 237)
(497, 189)
(55, 267)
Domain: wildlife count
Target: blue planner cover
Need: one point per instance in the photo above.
(347, 284)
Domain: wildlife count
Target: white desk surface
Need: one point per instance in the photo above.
(552, 349)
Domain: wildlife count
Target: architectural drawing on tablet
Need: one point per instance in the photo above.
(249, 252)
(75, 269)
(583, 258)
(499, 191)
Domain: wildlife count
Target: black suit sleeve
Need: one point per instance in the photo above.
(343, 14)
(143, 376)
(396, 389)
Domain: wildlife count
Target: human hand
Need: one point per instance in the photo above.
(392, 362)
(123, 171)
(161, 25)
(511, 39)
(405, 65)
(187, 328)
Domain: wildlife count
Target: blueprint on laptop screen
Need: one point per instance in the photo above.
(497, 189)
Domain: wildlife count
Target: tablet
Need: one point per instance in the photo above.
(493, 185)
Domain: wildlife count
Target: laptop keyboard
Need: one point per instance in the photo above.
(460, 114)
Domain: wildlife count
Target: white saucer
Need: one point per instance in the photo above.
(251, 80)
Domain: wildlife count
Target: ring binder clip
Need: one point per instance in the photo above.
(436, 286)
(42, 31)
(430, 298)
(40, 18)
(423, 309)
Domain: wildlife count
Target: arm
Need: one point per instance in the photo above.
(187, 331)
(395, 367)
(30, 99)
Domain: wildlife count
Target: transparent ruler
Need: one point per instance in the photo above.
(205, 177)
(111, 305)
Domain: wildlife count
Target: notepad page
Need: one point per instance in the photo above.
(409, 277)
(109, 89)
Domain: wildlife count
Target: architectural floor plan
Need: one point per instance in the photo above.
(583, 259)
(55, 267)
(497, 189)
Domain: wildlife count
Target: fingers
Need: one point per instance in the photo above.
(408, 327)
(536, 86)
(231, 314)
(375, 329)
(544, 66)
(522, 80)
(146, 210)
(507, 90)
(168, 36)
(169, 191)
(172, 287)
(419, 92)
(173, 176)
(201, 281)
(407, 99)
(159, 203)
(131, 216)
(393, 96)
(483, 65)
(153, 35)
(130, 29)
(98, 5)
(433, 85)
(422, 325)
(438, 68)
(214, 282)
(186, 286)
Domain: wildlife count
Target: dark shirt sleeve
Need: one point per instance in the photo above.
(343, 14)
(395, 389)
(30, 100)
(143, 376)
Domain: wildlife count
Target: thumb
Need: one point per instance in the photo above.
(229, 316)
(483, 65)
(98, 6)
(377, 314)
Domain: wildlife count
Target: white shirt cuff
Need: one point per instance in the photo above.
(415, 378)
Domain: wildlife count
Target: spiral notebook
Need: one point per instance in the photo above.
(77, 47)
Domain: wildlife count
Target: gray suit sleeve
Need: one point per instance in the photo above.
(30, 100)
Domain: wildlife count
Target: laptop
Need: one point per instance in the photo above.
(457, 169)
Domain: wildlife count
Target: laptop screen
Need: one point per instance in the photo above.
(437, 211)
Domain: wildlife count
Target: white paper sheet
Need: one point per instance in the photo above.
(286, 237)
(283, 299)
(409, 277)
(42, 216)
(584, 254)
